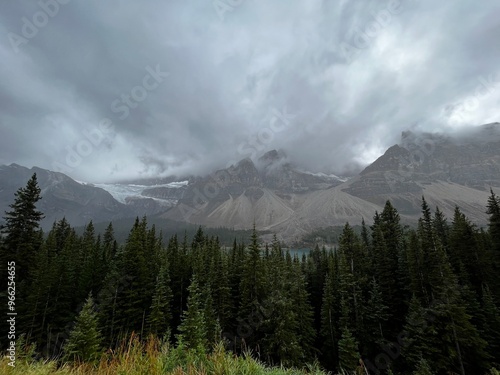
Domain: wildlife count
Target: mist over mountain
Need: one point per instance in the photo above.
(448, 169)
(181, 88)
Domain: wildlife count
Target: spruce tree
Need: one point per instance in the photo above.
(193, 330)
(493, 210)
(348, 351)
(387, 241)
(22, 239)
(136, 282)
(421, 340)
(160, 314)
(375, 316)
(423, 368)
(252, 292)
(305, 332)
(84, 342)
(281, 342)
(221, 290)
(463, 349)
(491, 325)
(330, 331)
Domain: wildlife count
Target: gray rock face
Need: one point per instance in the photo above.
(409, 170)
(271, 171)
(147, 206)
(448, 171)
(165, 193)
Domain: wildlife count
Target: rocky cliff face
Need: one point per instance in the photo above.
(271, 173)
(447, 171)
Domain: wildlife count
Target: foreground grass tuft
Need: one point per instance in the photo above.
(150, 358)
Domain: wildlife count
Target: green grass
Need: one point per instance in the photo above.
(150, 358)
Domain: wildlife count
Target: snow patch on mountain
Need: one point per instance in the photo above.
(326, 176)
(123, 191)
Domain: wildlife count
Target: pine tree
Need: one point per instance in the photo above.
(316, 270)
(193, 330)
(305, 332)
(421, 340)
(494, 231)
(463, 349)
(348, 351)
(90, 259)
(387, 239)
(110, 247)
(349, 277)
(108, 300)
(491, 325)
(22, 239)
(222, 291)
(330, 331)
(160, 313)
(465, 253)
(423, 368)
(375, 315)
(136, 282)
(285, 307)
(84, 342)
(252, 292)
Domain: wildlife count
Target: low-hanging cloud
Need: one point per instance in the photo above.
(174, 88)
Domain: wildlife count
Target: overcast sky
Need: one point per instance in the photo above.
(114, 89)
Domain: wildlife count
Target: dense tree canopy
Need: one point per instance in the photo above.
(421, 300)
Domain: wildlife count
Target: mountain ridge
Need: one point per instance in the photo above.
(277, 196)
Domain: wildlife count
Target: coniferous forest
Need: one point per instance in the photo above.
(392, 299)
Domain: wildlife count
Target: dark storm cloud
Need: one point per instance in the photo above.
(191, 86)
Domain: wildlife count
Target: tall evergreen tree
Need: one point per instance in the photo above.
(160, 314)
(136, 282)
(493, 210)
(348, 351)
(252, 291)
(387, 241)
(421, 340)
(464, 349)
(22, 239)
(193, 330)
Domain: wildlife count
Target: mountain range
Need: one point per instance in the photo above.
(277, 196)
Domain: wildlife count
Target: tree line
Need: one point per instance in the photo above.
(392, 299)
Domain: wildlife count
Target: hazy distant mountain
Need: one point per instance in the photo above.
(277, 196)
(447, 171)
(273, 194)
(61, 196)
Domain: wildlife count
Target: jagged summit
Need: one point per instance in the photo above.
(272, 157)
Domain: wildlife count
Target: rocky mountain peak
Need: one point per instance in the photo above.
(272, 157)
